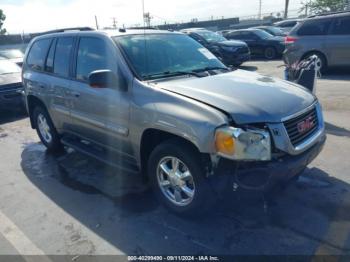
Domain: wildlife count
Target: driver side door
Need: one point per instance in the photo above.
(100, 115)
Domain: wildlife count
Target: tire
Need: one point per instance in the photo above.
(46, 130)
(321, 63)
(270, 53)
(199, 196)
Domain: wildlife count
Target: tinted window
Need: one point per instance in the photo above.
(92, 55)
(37, 54)
(314, 27)
(341, 26)
(62, 55)
(50, 57)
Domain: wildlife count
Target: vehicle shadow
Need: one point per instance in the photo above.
(336, 130)
(124, 213)
(7, 116)
(337, 73)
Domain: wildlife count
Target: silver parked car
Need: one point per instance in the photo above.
(159, 104)
(326, 36)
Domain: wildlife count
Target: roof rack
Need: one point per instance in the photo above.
(329, 13)
(62, 30)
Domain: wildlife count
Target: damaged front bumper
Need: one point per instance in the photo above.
(262, 176)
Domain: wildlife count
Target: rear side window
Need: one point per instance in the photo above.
(37, 54)
(62, 56)
(341, 26)
(92, 55)
(314, 27)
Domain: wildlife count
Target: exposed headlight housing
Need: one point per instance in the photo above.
(243, 144)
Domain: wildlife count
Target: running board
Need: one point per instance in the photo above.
(97, 152)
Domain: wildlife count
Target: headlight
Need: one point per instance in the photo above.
(238, 144)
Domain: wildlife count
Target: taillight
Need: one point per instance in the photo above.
(290, 39)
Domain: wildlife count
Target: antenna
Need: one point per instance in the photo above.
(144, 35)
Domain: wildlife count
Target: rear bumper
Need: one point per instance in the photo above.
(11, 98)
(262, 176)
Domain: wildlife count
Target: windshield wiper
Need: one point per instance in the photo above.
(209, 68)
(171, 73)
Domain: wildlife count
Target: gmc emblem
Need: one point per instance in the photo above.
(305, 125)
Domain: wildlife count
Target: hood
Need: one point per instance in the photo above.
(7, 79)
(248, 97)
(232, 43)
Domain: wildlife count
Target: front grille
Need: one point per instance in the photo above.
(296, 137)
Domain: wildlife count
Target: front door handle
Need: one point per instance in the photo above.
(75, 94)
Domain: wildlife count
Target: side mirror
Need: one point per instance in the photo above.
(106, 78)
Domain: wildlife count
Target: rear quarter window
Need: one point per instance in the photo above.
(37, 54)
(341, 26)
(314, 27)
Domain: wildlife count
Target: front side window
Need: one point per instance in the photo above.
(37, 54)
(62, 56)
(153, 54)
(314, 27)
(341, 26)
(92, 55)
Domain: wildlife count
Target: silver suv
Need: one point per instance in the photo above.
(326, 36)
(158, 104)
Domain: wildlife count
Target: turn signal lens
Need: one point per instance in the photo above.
(225, 143)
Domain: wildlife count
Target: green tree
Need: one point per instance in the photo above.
(2, 19)
(323, 6)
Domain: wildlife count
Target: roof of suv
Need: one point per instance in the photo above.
(331, 14)
(110, 33)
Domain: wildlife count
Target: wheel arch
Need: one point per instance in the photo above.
(32, 102)
(315, 51)
(152, 137)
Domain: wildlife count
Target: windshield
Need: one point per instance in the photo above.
(262, 34)
(7, 67)
(275, 30)
(154, 54)
(10, 54)
(211, 36)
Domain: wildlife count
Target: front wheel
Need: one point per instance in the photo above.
(177, 178)
(46, 130)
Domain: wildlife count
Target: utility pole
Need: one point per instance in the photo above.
(260, 4)
(114, 24)
(147, 19)
(286, 6)
(96, 22)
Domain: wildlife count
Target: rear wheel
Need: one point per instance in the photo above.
(321, 63)
(176, 175)
(270, 53)
(46, 130)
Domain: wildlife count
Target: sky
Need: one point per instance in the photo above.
(38, 15)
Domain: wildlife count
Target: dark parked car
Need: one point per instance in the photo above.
(272, 30)
(229, 52)
(10, 85)
(287, 25)
(326, 36)
(14, 55)
(260, 42)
